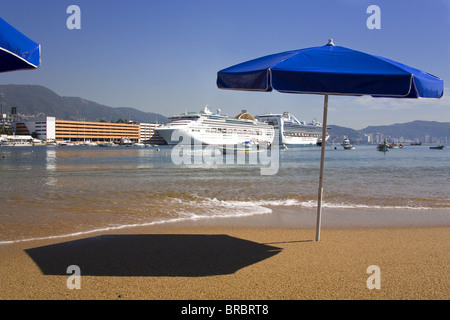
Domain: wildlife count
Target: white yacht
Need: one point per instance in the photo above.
(346, 145)
(208, 128)
(88, 143)
(292, 131)
(17, 141)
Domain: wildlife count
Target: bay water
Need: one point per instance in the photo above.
(49, 191)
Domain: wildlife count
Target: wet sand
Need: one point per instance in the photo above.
(270, 257)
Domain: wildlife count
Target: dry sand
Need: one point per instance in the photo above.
(223, 260)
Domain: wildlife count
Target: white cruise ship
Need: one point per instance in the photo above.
(209, 128)
(292, 131)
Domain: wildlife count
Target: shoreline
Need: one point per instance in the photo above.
(283, 217)
(251, 258)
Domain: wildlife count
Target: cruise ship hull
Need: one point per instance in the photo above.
(176, 136)
(299, 141)
(213, 129)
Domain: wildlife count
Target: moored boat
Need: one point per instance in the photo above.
(17, 141)
(346, 145)
(139, 144)
(383, 146)
(88, 143)
(395, 146)
(107, 145)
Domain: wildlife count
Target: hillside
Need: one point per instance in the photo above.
(33, 101)
(412, 130)
(338, 133)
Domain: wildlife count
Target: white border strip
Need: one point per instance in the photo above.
(26, 61)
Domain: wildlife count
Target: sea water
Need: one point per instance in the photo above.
(48, 191)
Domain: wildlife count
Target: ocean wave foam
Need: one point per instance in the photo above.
(214, 208)
(261, 204)
(313, 204)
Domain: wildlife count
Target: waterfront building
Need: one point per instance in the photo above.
(78, 131)
(42, 129)
(51, 129)
(148, 134)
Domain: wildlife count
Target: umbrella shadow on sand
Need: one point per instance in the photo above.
(151, 255)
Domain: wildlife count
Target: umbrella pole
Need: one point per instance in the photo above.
(322, 158)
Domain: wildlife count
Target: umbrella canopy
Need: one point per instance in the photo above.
(330, 70)
(17, 52)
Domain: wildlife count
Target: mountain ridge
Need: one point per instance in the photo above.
(35, 101)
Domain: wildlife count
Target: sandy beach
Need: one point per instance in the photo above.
(256, 258)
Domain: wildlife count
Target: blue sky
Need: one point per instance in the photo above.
(163, 56)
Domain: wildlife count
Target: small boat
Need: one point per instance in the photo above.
(383, 146)
(88, 143)
(65, 144)
(245, 147)
(347, 146)
(439, 147)
(139, 144)
(107, 144)
(125, 141)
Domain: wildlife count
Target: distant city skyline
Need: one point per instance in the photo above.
(163, 56)
(371, 138)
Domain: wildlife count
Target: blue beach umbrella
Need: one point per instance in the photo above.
(17, 51)
(330, 70)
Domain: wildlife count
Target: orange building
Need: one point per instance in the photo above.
(95, 131)
(50, 129)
